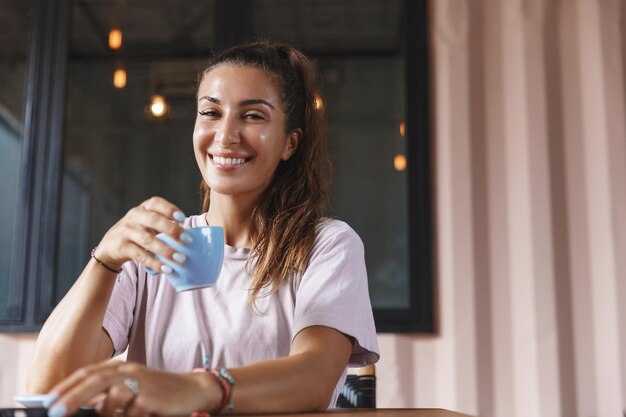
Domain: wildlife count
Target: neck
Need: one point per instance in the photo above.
(233, 214)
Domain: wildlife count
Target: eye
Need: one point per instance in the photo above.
(254, 116)
(209, 113)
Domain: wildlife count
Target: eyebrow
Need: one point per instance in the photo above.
(241, 103)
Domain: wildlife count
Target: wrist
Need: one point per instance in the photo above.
(211, 392)
(105, 263)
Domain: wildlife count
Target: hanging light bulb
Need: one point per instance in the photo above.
(115, 39)
(157, 107)
(402, 129)
(399, 162)
(119, 78)
(318, 103)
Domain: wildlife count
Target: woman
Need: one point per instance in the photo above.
(291, 308)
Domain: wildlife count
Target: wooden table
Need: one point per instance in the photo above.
(373, 412)
(338, 412)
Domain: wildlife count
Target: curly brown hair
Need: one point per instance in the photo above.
(283, 225)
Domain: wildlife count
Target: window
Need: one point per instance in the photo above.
(14, 38)
(115, 154)
(373, 59)
(92, 151)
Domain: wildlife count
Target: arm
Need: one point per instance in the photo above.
(302, 381)
(73, 336)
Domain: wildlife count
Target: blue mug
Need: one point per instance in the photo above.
(204, 258)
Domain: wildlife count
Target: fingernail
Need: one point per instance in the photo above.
(186, 237)
(179, 257)
(179, 216)
(151, 271)
(58, 410)
(50, 398)
(166, 269)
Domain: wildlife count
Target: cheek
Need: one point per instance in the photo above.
(271, 139)
(200, 136)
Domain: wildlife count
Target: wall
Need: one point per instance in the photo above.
(531, 204)
(15, 354)
(530, 161)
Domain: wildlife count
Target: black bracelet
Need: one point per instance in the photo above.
(93, 255)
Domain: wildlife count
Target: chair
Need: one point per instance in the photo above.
(359, 391)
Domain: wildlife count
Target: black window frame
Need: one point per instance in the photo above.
(42, 169)
(419, 317)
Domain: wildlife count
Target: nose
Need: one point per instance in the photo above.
(227, 131)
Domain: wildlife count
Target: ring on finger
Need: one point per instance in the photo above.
(132, 384)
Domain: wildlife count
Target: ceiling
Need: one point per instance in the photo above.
(166, 42)
(179, 28)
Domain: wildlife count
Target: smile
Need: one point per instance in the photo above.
(228, 161)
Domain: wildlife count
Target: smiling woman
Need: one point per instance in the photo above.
(291, 309)
(240, 136)
(274, 109)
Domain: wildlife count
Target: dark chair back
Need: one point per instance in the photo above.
(359, 391)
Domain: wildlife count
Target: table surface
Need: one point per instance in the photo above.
(337, 412)
(374, 412)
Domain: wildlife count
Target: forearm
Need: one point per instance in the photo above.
(303, 381)
(292, 384)
(72, 336)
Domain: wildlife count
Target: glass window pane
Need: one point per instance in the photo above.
(116, 155)
(359, 52)
(15, 24)
(367, 147)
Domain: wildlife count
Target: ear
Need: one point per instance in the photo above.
(291, 144)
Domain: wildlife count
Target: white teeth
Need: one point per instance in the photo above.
(219, 160)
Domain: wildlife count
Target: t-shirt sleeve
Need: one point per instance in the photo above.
(119, 316)
(333, 291)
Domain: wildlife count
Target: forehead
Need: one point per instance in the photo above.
(239, 82)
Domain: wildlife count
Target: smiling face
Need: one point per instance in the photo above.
(239, 137)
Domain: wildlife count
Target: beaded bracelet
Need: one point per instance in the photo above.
(227, 382)
(93, 255)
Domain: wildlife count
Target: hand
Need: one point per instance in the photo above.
(134, 236)
(132, 390)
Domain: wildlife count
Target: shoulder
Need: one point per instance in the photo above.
(333, 232)
(329, 227)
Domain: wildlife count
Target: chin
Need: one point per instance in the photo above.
(224, 189)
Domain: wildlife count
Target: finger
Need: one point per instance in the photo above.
(97, 401)
(75, 377)
(119, 397)
(140, 407)
(155, 222)
(164, 207)
(144, 257)
(149, 242)
(84, 391)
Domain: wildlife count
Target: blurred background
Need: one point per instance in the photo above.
(128, 112)
(525, 163)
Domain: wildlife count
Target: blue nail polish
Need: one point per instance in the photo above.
(186, 237)
(179, 257)
(166, 269)
(50, 398)
(58, 410)
(179, 216)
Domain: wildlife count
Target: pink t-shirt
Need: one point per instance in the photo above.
(173, 331)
